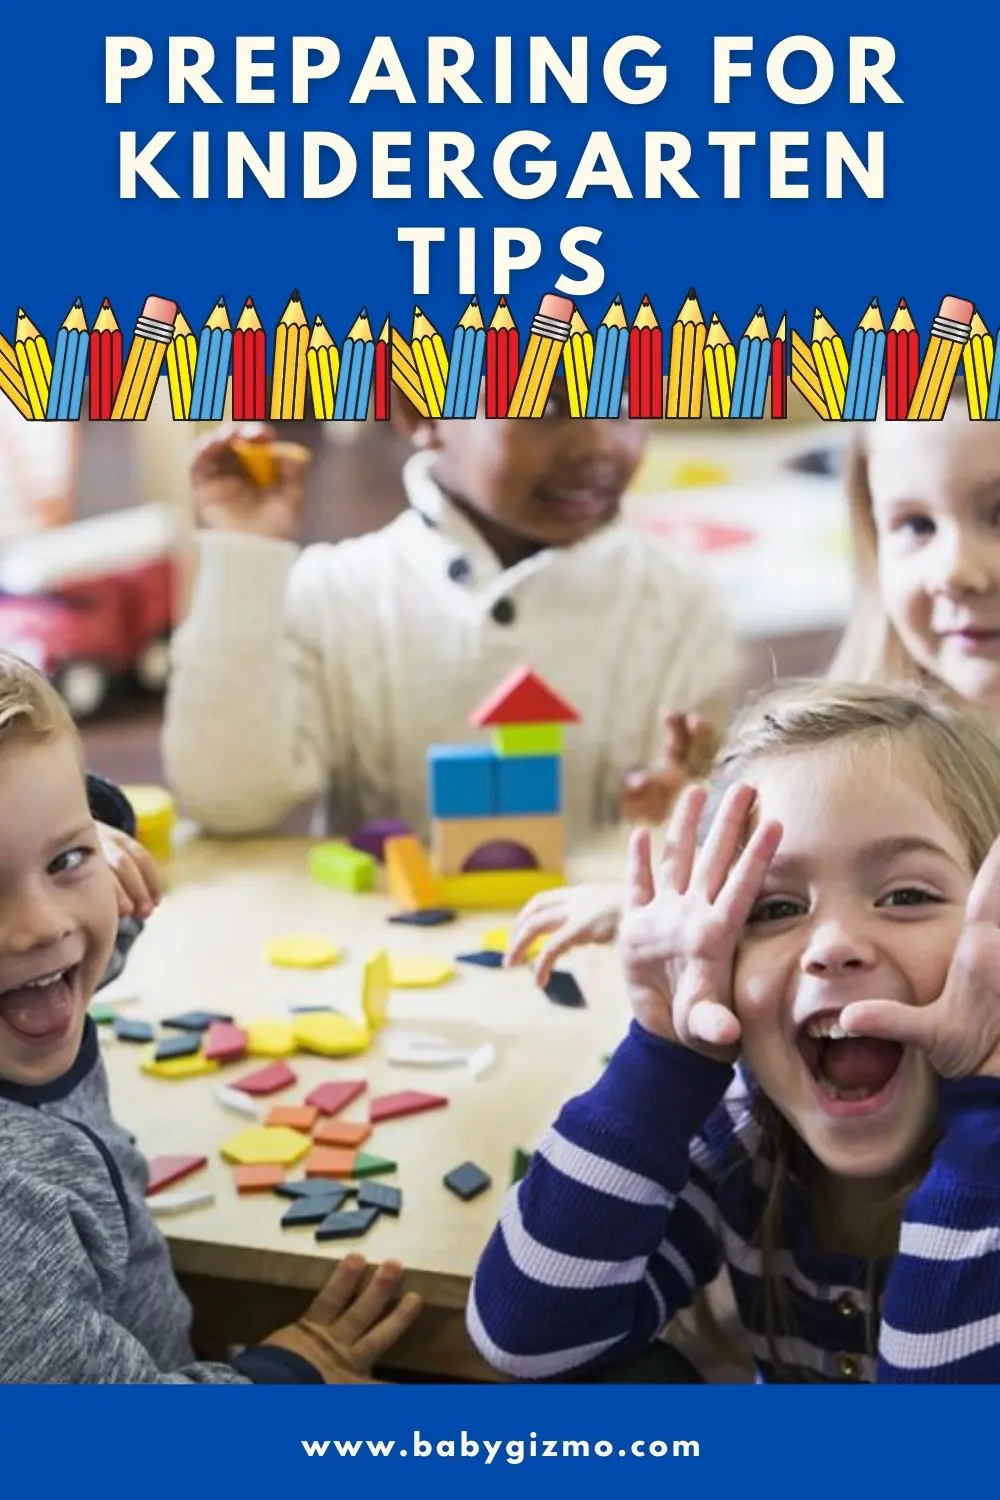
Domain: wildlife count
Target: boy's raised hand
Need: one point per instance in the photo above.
(136, 876)
(678, 941)
(348, 1327)
(960, 1031)
(689, 746)
(258, 493)
(572, 915)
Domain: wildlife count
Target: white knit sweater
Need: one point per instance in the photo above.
(330, 670)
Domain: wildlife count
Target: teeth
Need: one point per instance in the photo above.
(846, 1096)
(43, 984)
(828, 1027)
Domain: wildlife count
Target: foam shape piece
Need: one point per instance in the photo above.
(302, 951)
(195, 1020)
(296, 1116)
(487, 958)
(266, 1080)
(562, 989)
(467, 1181)
(411, 972)
(336, 1132)
(523, 698)
(376, 987)
(430, 917)
(407, 1102)
(133, 1031)
(412, 1050)
(166, 1205)
(409, 877)
(372, 1166)
(380, 1195)
(461, 781)
(236, 1102)
(258, 1179)
(343, 867)
(194, 1066)
(331, 1035)
(529, 785)
(528, 739)
(271, 1038)
(165, 1170)
(498, 938)
(481, 1061)
(331, 1098)
(500, 890)
(330, 1161)
(371, 837)
(349, 1225)
(315, 1187)
(313, 1210)
(261, 1146)
(177, 1046)
(225, 1043)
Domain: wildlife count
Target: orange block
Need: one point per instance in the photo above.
(296, 1116)
(409, 877)
(258, 1179)
(342, 1133)
(329, 1161)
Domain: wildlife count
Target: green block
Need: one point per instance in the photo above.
(528, 739)
(520, 1165)
(371, 1166)
(101, 1014)
(342, 866)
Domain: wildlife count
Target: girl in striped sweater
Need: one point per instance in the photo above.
(809, 1094)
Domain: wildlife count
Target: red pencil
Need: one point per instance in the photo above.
(383, 374)
(249, 367)
(105, 363)
(779, 390)
(902, 363)
(645, 364)
(501, 361)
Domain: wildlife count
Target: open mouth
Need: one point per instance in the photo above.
(847, 1069)
(578, 498)
(43, 1008)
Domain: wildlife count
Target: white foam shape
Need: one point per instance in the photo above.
(161, 1205)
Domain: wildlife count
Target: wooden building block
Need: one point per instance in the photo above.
(295, 1116)
(498, 891)
(261, 1147)
(341, 1133)
(258, 1179)
(331, 1098)
(330, 1161)
(376, 990)
(461, 781)
(528, 784)
(409, 877)
(454, 840)
(528, 739)
(341, 866)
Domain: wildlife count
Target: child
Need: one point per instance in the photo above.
(810, 1090)
(87, 1295)
(924, 502)
(331, 672)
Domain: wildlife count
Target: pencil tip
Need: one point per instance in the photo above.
(105, 303)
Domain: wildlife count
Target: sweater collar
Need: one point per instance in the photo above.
(48, 1093)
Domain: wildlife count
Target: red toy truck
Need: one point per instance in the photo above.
(91, 603)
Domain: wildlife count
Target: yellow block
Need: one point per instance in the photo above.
(497, 889)
(408, 875)
(497, 940)
(302, 953)
(265, 1146)
(420, 973)
(177, 1067)
(155, 816)
(375, 996)
(331, 1036)
(270, 1038)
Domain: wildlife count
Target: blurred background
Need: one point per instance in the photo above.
(90, 514)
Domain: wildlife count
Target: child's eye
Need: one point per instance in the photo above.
(69, 860)
(909, 895)
(776, 909)
(916, 526)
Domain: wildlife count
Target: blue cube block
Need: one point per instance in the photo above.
(462, 781)
(528, 784)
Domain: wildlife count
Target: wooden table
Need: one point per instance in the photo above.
(204, 950)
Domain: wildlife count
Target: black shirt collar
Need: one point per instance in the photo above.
(48, 1093)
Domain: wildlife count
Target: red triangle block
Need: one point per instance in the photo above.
(331, 1098)
(224, 1043)
(523, 698)
(163, 1170)
(409, 1102)
(266, 1080)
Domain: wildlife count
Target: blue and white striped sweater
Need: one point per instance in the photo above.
(651, 1182)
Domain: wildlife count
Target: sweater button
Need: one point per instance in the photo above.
(846, 1306)
(459, 569)
(503, 612)
(848, 1367)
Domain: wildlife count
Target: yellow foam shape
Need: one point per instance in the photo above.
(419, 973)
(498, 890)
(265, 1146)
(375, 995)
(177, 1067)
(332, 1036)
(270, 1038)
(497, 940)
(302, 953)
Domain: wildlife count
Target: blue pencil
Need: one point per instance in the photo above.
(357, 366)
(211, 371)
(864, 374)
(993, 400)
(607, 375)
(753, 365)
(68, 367)
(465, 364)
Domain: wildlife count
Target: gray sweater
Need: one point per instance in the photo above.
(87, 1292)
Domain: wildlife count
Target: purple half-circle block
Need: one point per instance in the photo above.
(371, 838)
(500, 854)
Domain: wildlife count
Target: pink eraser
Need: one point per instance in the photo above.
(161, 309)
(553, 306)
(957, 309)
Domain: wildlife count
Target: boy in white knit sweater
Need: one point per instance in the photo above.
(329, 671)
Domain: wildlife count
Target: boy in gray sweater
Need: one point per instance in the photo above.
(87, 1294)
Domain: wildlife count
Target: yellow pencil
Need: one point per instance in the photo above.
(323, 360)
(35, 363)
(290, 368)
(949, 334)
(549, 332)
(805, 378)
(830, 358)
(686, 372)
(404, 372)
(153, 332)
(182, 354)
(11, 380)
(431, 360)
(720, 367)
(578, 363)
(977, 361)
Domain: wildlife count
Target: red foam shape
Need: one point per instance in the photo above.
(523, 698)
(224, 1043)
(331, 1098)
(163, 1170)
(267, 1080)
(409, 1102)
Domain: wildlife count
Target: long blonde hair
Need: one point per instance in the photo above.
(961, 755)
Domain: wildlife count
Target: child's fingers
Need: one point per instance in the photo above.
(543, 914)
(723, 841)
(338, 1293)
(639, 887)
(569, 936)
(983, 904)
(910, 1025)
(372, 1302)
(368, 1350)
(681, 843)
(713, 1024)
(146, 866)
(736, 900)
